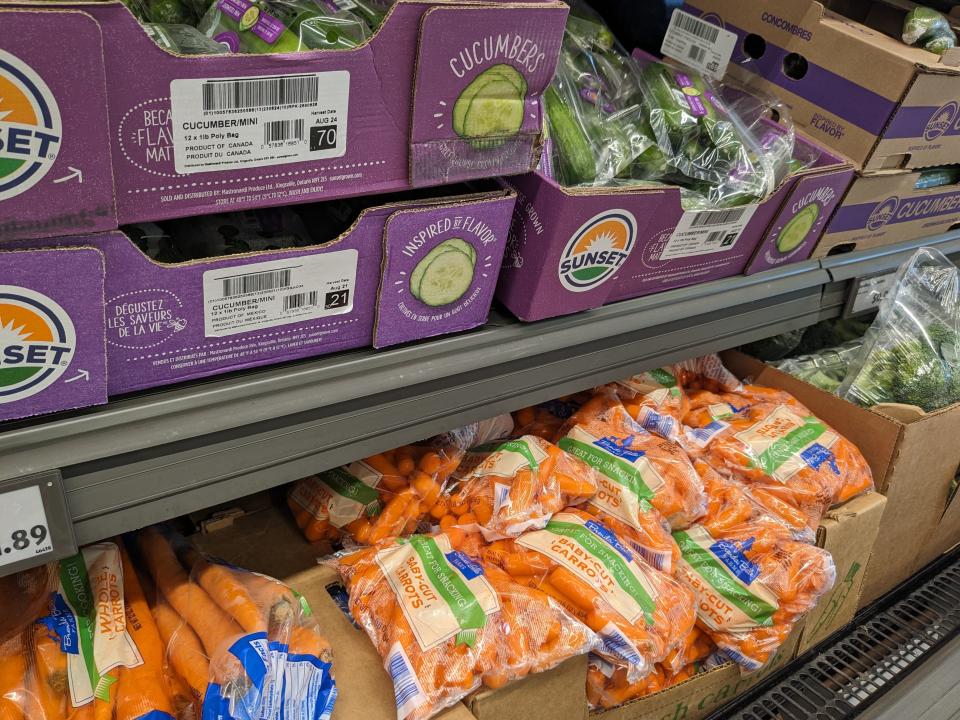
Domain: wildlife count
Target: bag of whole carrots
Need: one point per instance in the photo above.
(640, 613)
(445, 622)
(655, 400)
(508, 487)
(634, 467)
(241, 643)
(381, 497)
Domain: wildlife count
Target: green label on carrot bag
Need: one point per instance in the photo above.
(442, 592)
(340, 495)
(501, 459)
(783, 443)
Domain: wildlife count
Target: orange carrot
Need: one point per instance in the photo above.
(214, 626)
(13, 668)
(49, 677)
(184, 650)
(226, 591)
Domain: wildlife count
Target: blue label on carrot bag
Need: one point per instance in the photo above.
(732, 555)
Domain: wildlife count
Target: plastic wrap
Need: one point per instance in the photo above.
(279, 26)
(639, 613)
(183, 39)
(928, 29)
(636, 469)
(243, 642)
(826, 368)
(910, 352)
(707, 372)
(776, 347)
(478, 433)
(508, 487)
(381, 497)
(655, 400)
(446, 623)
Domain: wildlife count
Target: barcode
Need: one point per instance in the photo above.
(404, 683)
(281, 130)
(614, 643)
(260, 93)
(256, 282)
(696, 53)
(294, 302)
(717, 217)
(697, 27)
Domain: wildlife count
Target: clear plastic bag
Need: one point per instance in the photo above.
(243, 643)
(546, 419)
(825, 369)
(910, 352)
(929, 29)
(462, 623)
(636, 469)
(655, 400)
(508, 487)
(183, 39)
(381, 497)
(280, 26)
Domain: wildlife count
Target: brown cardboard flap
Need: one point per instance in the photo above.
(559, 694)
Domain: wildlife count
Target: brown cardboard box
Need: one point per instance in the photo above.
(849, 532)
(881, 103)
(267, 541)
(701, 695)
(914, 458)
(886, 208)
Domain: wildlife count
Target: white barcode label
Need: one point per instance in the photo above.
(407, 691)
(230, 123)
(242, 298)
(710, 231)
(699, 44)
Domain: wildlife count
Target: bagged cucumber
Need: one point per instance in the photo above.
(183, 39)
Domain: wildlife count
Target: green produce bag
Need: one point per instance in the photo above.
(278, 26)
(183, 39)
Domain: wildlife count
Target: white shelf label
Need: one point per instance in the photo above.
(869, 292)
(698, 44)
(24, 530)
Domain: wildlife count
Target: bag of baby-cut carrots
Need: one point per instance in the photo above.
(381, 497)
(241, 644)
(636, 469)
(446, 623)
(546, 419)
(655, 400)
(794, 464)
(640, 613)
(510, 486)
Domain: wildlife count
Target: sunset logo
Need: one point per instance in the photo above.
(941, 120)
(597, 250)
(883, 213)
(37, 342)
(30, 130)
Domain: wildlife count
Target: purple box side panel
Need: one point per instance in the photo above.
(410, 237)
(56, 177)
(797, 228)
(53, 300)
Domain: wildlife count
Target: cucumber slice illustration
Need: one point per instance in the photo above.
(497, 72)
(417, 275)
(446, 279)
(795, 231)
(463, 246)
(494, 113)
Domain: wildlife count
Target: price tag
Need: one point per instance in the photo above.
(34, 525)
(868, 292)
(698, 44)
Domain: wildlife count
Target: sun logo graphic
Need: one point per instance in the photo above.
(30, 130)
(37, 342)
(941, 120)
(597, 250)
(883, 213)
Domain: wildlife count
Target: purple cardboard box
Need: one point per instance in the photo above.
(52, 352)
(572, 249)
(113, 129)
(165, 323)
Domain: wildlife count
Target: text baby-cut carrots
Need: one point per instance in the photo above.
(507, 487)
(445, 622)
(640, 613)
(634, 467)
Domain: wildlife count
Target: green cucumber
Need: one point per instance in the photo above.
(446, 279)
(476, 86)
(795, 231)
(577, 163)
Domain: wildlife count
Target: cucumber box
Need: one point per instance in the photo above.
(115, 127)
(576, 248)
(130, 309)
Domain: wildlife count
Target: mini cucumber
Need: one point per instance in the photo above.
(446, 279)
(576, 153)
(476, 86)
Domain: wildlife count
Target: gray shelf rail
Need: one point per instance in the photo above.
(167, 452)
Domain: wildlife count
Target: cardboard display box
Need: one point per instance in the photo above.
(552, 266)
(165, 323)
(850, 85)
(113, 129)
(914, 458)
(886, 208)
